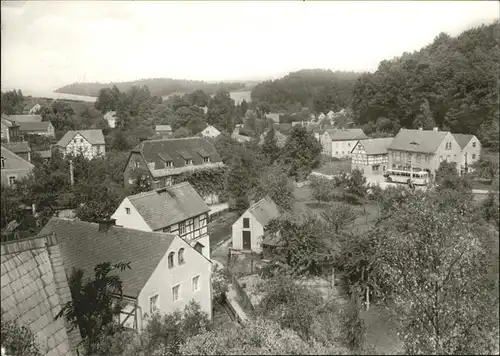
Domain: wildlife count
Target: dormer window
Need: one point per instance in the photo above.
(206, 160)
(473, 144)
(189, 162)
(168, 164)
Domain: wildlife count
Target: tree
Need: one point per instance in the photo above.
(275, 183)
(95, 303)
(447, 177)
(301, 153)
(435, 255)
(12, 102)
(181, 132)
(17, 340)
(322, 189)
(270, 148)
(338, 216)
(356, 186)
(221, 111)
(352, 325)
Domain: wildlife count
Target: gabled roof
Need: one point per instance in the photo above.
(175, 149)
(346, 134)
(169, 205)
(17, 147)
(212, 128)
(25, 118)
(83, 246)
(375, 146)
(425, 141)
(31, 126)
(7, 122)
(264, 210)
(34, 288)
(13, 161)
(462, 139)
(95, 137)
(163, 128)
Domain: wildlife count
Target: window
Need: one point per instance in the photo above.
(136, 164)
(168, 181)
(175, 293)
(246, 223)
(203, 220)
(190, 225)
(418, 158)
(182, 228)
(206, 159)
(127, 210)
(81, 140)
(189, 162)
(171, 260)
(168, 164)
(474, 156)
(410, 156)
(473, 144)
(427, 158)
(196, 285)
(153, 303)
(3, 162)
(199, 247)
(12, 181)
(180, 256)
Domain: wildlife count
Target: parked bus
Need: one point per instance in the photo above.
(417, 178)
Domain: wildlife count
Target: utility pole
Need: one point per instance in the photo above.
(71, 175)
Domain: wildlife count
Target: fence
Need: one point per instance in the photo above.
(242, 296)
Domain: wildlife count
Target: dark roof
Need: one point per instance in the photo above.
(175, 149)
(462, 139)
(169, 205)
(95, 137)
(25, 118)
(346, 134)
(264, 210)
(34, 126)
(426, 141)
(17, 147)
(83, 246)
(7, 122)
(375, 146)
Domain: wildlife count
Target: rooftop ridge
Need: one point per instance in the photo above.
(150, 192)
(174, 139)
(260, 202)
(27, 244)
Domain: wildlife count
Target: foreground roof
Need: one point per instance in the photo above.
(346, 134)
(426, 141)
(169, 205)
(83, 246)
(462, 139)
(375, 146)
(17, 147)
(95, 137)
(264, 211)
(34, 287)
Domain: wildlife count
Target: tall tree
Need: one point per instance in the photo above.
(221, 111)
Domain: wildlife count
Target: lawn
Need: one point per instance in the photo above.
(335, 167)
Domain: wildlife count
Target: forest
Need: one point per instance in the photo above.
(158, 86)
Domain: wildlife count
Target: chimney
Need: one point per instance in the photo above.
(435, 129)
(155, 185)
(420, 129)
(104, 225)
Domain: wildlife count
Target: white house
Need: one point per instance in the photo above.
(210, 131)
(176, 209)
(165, 272)
(111, 118)
(248, 230)
(340, 142)
(371, 156)
(35, 109)
(90, 143)
(470, 153)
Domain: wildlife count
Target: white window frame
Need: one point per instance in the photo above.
(127, 211)
(206, 159)
(156, 304)
(174, 299)
(168, 164)
(12, 181)
(197, 279)
(203, 220)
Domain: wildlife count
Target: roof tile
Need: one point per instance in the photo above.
(425, 141)
(95, 137)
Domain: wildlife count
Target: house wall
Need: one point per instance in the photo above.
(133, 220)
(210, 132)
(5, 132)
(135, 161)
(369, 164)
(341, 149)
(79, 145)
(256, 233)
(17, 173)
(164, 279)
(471, 153)
(326, 142)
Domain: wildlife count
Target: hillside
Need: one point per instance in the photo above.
(157, 86)
(318, 89)
(452, 83)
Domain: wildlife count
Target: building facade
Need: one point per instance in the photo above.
(21, 148)
(165, 273)
(210, 131)
(470, 148)
(177, 209)
(9, 130)
(111, 118)
(370, 156)
(423, 150)
(13, 167)
(339, 143)
(89, 143)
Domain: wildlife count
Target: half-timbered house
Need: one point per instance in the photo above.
(370, 155)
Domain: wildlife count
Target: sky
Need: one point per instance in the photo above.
(46, 45)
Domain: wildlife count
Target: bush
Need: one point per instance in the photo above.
(17, 340)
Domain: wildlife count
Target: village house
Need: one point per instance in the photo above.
(111, 118)
(89, 143)
(321, 116)
(164, 160)
(280, 138)
(370, 155)
(470, 151)
(32, 125)
(422, 150)
(239, 137)
(163, 130)
(14, 167)
(339, 142)
(35, 109)
(34, 288)
(21, 148)
(177, 209)
(9, 130)
(248, 231)
(210, 131)
(165, 272)
(275, 117)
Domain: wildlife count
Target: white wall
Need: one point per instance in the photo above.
(342, 148)
(471, 151)
(133, 220)
(256, 233)
(164, 279)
